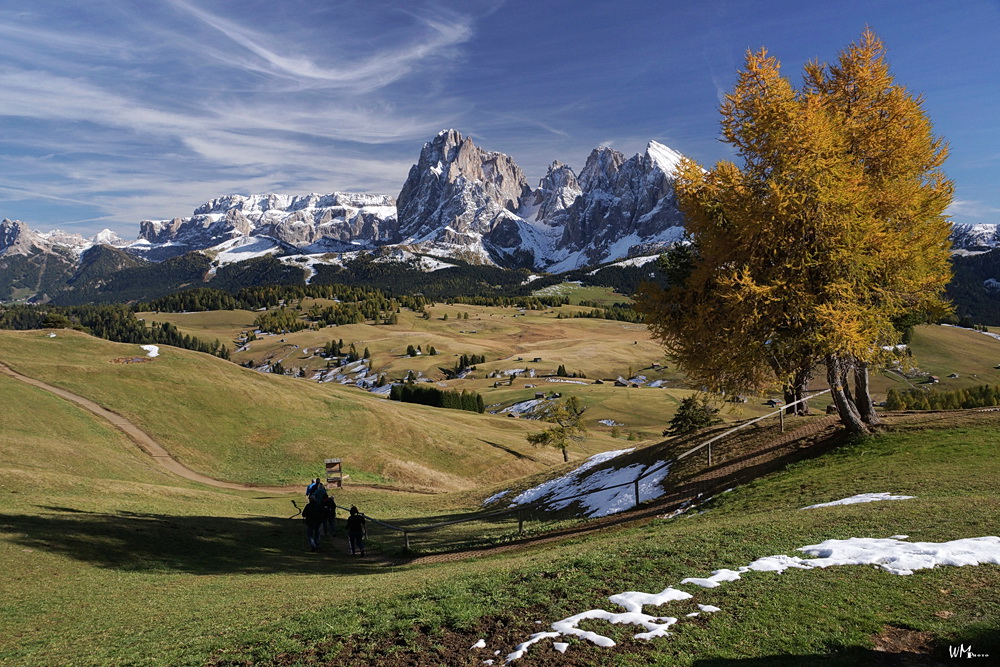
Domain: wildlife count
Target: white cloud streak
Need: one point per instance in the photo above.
(366, 75)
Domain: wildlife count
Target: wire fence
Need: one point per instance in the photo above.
(482, 529)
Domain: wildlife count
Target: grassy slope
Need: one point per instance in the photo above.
(93, 537)
(110, 562)
(821, 617)
(240, 425)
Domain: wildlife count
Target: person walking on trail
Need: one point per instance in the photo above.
(329, 515)
(317, 489)
(313, 515)
(356, 532)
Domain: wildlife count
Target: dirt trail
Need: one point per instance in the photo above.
(139, 437)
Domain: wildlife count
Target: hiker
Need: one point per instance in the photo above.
(317, 490)
(313, 514)
(356, 532)
(329, 515)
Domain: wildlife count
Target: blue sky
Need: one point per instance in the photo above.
(114, 111)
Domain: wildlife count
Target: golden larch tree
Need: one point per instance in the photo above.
(831, 229)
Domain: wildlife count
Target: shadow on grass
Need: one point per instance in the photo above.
(192, 544)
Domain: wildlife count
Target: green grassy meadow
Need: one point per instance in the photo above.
(111, 560)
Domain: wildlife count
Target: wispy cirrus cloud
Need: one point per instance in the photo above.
(374, 71)
(975, 210)
(129, 108)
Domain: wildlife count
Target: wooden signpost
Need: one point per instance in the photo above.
(334, 473)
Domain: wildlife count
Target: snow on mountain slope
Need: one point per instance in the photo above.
(458, 201)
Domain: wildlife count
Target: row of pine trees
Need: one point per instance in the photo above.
(438, 398)
(981, 396)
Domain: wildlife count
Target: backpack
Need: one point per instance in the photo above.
(319, 493)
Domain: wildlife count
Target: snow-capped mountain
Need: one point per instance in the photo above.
(16, 238)
(294, 221)
(458, 195)
(975, 236)
(458, 201)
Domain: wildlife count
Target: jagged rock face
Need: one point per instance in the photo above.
(199, 231)
(295, 220)
(622, 199)
(17, 239)
(457, 192)
(556, 192)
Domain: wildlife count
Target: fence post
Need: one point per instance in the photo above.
(781, 418)
(406, 541)
(520, 522)
(709, 453)
(636, 491)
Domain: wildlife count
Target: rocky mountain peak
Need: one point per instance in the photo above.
(457, 191)
(17, 239)
(556, 192)
(601, 170)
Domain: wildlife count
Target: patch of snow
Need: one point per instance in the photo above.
(633, 601)
(479, 644)
(860, 498)
(631, 261)
(566, 381)
(496, 496)
(151, 350)
(521, 648)
(599, 500)
(891, 554)
(244, 248)
(523, 407)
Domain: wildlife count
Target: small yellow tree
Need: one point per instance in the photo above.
(831, 229)
(569, 427)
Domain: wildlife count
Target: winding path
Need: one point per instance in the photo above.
(775, 454)
(138, 436)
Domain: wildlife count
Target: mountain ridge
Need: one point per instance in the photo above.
(458, 201)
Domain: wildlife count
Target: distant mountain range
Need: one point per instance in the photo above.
(458, 202)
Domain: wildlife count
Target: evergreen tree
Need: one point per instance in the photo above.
(694, 413)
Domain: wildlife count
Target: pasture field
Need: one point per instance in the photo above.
(598, 349)
(239, 425)
(576, 292)
(111, 561)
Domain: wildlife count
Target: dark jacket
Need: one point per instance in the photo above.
(356, 524)
(313, 514)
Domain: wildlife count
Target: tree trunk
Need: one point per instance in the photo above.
(836, 375)
(863, 398)
(797, 391)
(565, 455)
